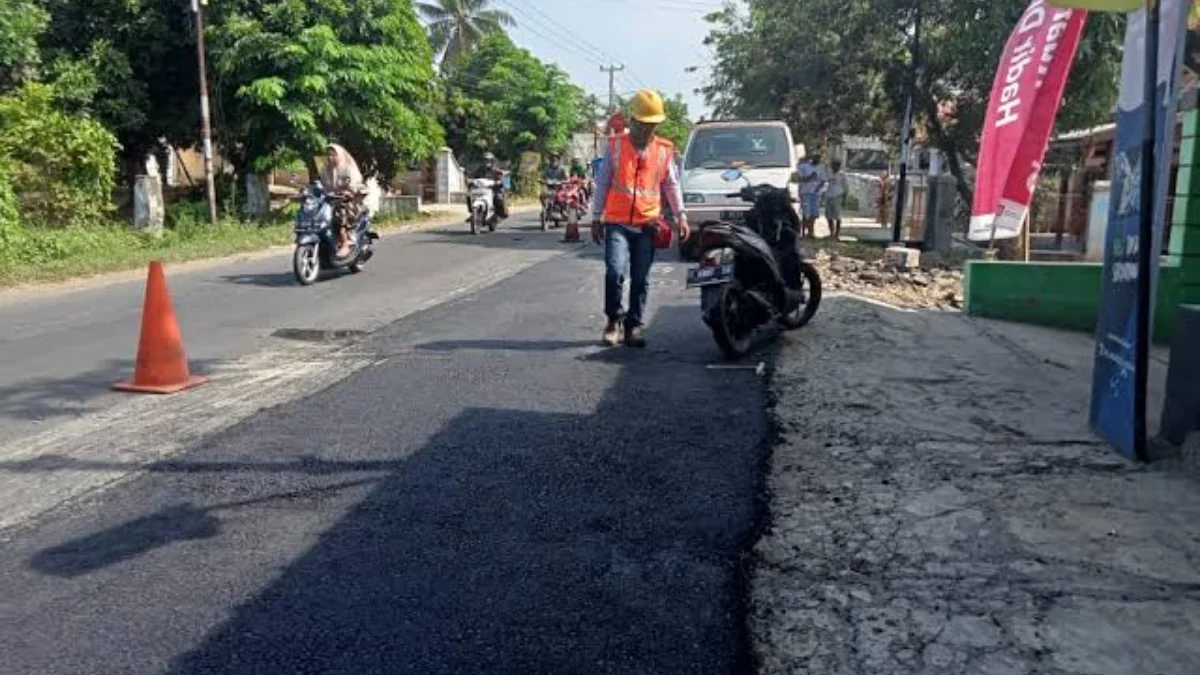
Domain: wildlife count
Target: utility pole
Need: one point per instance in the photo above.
(206, 126)
(593, 104)
(906, 130)
(612, 85)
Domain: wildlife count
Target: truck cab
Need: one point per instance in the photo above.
(762, 149)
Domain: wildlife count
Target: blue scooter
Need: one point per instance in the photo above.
(316, 240)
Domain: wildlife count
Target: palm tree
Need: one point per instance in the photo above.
(456, 26)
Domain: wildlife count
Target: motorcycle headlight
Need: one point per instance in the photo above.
(310, 203)
(693, 198)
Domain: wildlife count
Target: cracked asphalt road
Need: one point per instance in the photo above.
(938, 505)
(493, 494)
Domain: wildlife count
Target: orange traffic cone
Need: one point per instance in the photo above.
(162, 364)
(571, 236)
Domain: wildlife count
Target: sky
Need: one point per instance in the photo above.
(656, 41)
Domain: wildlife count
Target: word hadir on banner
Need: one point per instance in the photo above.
(1026, 95)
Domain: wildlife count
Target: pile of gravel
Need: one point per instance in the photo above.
(931, 286)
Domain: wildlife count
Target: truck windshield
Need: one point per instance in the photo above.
(717, 148)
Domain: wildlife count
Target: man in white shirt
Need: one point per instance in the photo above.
(835, 198)
(812, 184)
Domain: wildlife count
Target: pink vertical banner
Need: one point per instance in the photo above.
(1025, 99)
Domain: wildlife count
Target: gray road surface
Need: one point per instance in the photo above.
(494, 493)
(61, 350)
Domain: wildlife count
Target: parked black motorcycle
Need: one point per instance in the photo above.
(754, 273)
(316, 238)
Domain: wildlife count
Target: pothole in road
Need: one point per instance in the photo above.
(317, 335)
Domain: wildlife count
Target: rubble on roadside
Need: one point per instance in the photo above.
(936, 284)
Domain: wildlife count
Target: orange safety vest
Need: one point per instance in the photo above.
(633, 191)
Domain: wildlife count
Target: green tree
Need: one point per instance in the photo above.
(840, 67)
(131, 64)
(59, 167)
(677, 125)
(293, 75)
(502, 99)
(456, 27)
(21, 23)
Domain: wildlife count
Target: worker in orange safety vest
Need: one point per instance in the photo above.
(637, 173)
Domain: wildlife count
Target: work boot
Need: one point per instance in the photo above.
(612, 334)
(635, 336)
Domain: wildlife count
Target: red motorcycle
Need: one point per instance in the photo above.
(566, 203)
(578, 198)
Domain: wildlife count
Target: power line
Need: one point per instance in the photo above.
(570, 33)
(534, 25)
(554, 25)
(612, 97)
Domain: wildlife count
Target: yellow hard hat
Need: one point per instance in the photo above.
(647, 107)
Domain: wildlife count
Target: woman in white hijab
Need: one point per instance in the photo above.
(341, 174)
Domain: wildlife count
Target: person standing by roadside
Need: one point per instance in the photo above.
(812, 183)
(835, 198)
(636, 175)
(884, 203)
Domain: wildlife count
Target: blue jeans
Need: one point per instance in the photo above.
(632, 249)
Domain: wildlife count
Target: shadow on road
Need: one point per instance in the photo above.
(168, 526)
(51, 399)
(512, 541)
(97, 551)
(507, 345)
(265, 279)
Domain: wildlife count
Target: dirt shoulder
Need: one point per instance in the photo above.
(938, 505)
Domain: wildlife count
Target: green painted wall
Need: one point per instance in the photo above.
(1063, 295)
(1052, 294)
(1067, 295)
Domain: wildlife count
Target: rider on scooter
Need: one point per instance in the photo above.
(554, 172)
(489, 170)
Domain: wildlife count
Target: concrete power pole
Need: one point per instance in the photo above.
(612, 86)
(593, 104)
(206, 126)
(906, 131)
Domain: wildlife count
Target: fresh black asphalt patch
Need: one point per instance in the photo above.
(531, 504)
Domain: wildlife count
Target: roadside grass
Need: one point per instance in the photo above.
(43, 255)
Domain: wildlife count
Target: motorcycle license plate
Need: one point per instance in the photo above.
(709, 276)
(733, 216)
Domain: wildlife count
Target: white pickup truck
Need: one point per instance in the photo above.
(764, 151)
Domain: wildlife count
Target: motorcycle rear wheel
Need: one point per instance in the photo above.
(805, 313)
(731, 337)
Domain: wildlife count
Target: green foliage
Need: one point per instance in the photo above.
(130, 64)
(456, 27)
(21, 23)
(677, 125)
(296, 74)
(10, 217)
(502, 99)
(61, 165)
(839, 67)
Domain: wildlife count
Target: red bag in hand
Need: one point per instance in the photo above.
(662, 234)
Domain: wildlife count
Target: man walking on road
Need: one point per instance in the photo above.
(636, 175)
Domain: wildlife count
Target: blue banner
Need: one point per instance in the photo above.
(1113, 375)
